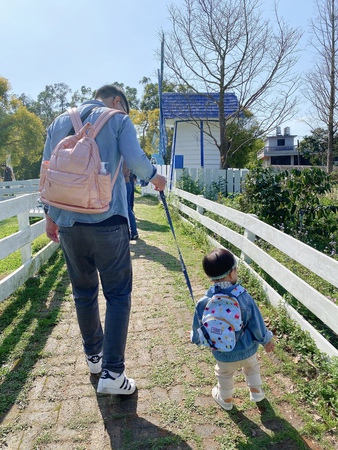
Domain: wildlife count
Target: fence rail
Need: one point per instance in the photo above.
(318, 263)
(22, 240)
(10, 189)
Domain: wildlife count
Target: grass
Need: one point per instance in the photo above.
(26, 320)
(13, 261)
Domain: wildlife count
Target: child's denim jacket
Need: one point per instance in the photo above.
(253, 333)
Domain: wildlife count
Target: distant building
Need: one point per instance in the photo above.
(190, 115)
(281, 150)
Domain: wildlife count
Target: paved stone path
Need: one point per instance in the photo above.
(63, 410)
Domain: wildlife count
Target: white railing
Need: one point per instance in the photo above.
(9, 189)
(231, 179)
(318, 263)
(22, 240)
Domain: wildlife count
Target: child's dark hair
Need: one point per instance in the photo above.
(218, 262)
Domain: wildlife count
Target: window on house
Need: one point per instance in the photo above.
(280, 142)
(281, 160)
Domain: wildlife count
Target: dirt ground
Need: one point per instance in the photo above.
(63, 412)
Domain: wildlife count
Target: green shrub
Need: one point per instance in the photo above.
(292, 201)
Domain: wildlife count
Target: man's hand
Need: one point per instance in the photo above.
(269, 347)
(159, 181)
(52, 230)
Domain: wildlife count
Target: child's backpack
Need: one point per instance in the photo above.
(72, 180)
(221, 319)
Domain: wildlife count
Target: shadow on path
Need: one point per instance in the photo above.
(258, 438)
(155, 254)
(128, 431)
(31, 308)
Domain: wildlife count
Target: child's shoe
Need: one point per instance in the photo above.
(257, 396)
(218, 399)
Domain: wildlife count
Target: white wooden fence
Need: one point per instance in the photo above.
(22, 240)
(318, 263)
(323, 266)
(9, 189)
(230, 179)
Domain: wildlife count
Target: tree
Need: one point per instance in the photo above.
(146, 123)
(21, 134)
(314, 147)
(81, 96)
(322, 80)
(50, 103)
(150, 97)
(219, 46)
(243, 143)
(131, 94)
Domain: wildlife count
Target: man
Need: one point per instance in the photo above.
(99, 243)
(8, 174)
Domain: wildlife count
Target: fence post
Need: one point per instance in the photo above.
(251, 237)
(200, 209)
(26, 250)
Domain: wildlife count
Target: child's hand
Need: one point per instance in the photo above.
(269, 347)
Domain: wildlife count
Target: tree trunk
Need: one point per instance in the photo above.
(223, 147)
(332, 95)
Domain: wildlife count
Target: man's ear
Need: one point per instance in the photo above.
(110, 102)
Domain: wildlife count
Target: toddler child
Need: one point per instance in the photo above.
(221, 267)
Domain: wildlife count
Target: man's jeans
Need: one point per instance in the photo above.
(88, 250)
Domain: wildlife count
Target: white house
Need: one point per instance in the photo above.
(192, 116)
(281, 150)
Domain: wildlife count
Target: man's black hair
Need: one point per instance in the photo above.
(111, 90)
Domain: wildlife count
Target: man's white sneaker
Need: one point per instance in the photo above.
(117, 386)
(94, 363)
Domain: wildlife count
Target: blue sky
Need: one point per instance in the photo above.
(81, 42)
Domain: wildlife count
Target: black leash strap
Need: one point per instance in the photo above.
(184, 269)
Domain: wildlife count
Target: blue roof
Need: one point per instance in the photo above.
(177, 105)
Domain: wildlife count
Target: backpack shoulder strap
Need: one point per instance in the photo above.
(113, 181)
(75, 118)
(103, 118)
(237, 291)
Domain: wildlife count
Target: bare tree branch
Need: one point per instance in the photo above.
(219, 46)
(322, 80)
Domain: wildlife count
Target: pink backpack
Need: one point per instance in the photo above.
(72, 180)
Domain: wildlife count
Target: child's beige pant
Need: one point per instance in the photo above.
(225, 375)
